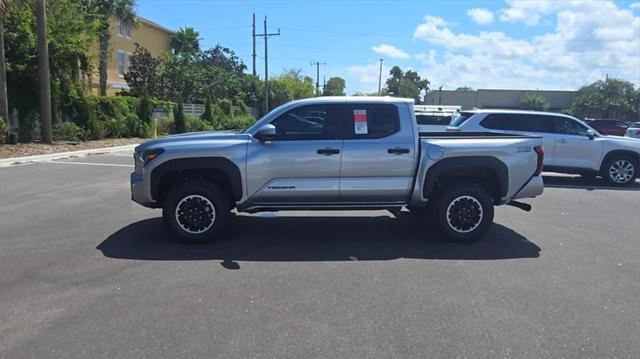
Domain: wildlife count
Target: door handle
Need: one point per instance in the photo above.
(328, 151)
(398, 150)
(562, 140)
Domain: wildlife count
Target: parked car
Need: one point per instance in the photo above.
(365, 153)
(608, 127)
(633, 130)
(570, 145)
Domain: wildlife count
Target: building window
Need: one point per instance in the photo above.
(127, 31)
(128, 61)
(121, 63)
(123, 30)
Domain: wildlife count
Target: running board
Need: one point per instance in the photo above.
(523, 206)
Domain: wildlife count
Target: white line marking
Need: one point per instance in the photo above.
(91, 164)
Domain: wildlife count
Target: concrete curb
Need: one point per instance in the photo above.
(8, 162)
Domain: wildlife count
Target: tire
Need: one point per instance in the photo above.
(463, 212)
(196, 211)
(620, 170)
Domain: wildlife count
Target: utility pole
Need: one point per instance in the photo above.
(318, 63)
(43, 69)
(253, 35)
(266, 35)
(380, 79)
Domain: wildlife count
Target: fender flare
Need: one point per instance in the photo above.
(224, 165)
(467, 163)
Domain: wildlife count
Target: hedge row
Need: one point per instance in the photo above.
(96, 117)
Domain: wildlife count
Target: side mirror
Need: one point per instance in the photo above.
(591, 134)
(265, 133)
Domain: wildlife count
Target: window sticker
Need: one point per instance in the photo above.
(360, 121)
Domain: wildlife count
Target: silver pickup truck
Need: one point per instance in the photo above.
(336, 153)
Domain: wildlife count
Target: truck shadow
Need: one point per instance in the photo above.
(589, 184)
(292, 238)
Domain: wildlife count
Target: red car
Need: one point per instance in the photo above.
(608, 127)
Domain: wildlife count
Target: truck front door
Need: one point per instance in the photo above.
(301, 165)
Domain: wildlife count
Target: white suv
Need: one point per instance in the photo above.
(570, 145)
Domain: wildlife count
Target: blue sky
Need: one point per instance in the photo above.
(545, 44)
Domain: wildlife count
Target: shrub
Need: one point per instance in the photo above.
(196, 124)
(238, 122)
(115, 127)
(207, 115)
(4, 130)
(165, 126)
(240, 108)
(135, 127)
(94, 126)
(145, 110)
(225, 106)
(178, 118)
(28, 124)
(68, 131)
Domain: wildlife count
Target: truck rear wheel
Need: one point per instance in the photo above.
(620, 170)
(464, 212)
(196, 211)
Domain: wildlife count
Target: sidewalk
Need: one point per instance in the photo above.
(7, 162)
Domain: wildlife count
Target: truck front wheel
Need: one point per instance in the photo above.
(196, 211)
(464, 211)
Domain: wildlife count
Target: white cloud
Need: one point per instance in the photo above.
(590, 40)
(635, 5)
(367, 76)
(480, 16)
(391, 51)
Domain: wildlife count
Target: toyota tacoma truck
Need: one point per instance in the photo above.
(336, 153)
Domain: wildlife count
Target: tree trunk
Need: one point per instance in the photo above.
(43, 70)
(4, 102)
(104, 59)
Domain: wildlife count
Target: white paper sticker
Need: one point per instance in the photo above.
(360, 121)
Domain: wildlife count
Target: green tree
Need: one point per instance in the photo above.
(185, 43)
(143, 76)
(104, 10)
(405, 84)
(534, 102)
(334, 87)
(613, 98)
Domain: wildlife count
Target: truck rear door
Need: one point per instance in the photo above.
(378, 154)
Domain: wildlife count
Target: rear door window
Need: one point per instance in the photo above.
(518, 122)
(370, 121)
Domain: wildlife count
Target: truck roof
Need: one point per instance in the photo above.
(351, 99)
(521, 112)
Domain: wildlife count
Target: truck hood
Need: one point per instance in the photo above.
(210, 137)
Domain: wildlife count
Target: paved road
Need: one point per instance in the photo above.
(85, 273)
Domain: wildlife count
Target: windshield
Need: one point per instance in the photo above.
(460, 119)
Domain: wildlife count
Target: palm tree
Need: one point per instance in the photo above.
(125, 11)
(185, 43)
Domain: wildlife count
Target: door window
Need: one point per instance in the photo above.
(517, 122)
(567, 126)
(315, 122)
(370, 121)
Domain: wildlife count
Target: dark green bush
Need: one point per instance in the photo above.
(207, 115)
(238, 122)
(145, 110)
(178, 118)
(68, 131)
(94, 127)
(225, 106)
(135, 127)
(27, 125)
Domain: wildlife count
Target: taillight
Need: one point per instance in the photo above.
(540, 151)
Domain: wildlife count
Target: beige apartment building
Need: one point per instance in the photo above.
(146, 33)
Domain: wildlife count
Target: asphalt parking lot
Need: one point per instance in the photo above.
(86, 273)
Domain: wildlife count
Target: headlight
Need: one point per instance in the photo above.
(149, 155)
